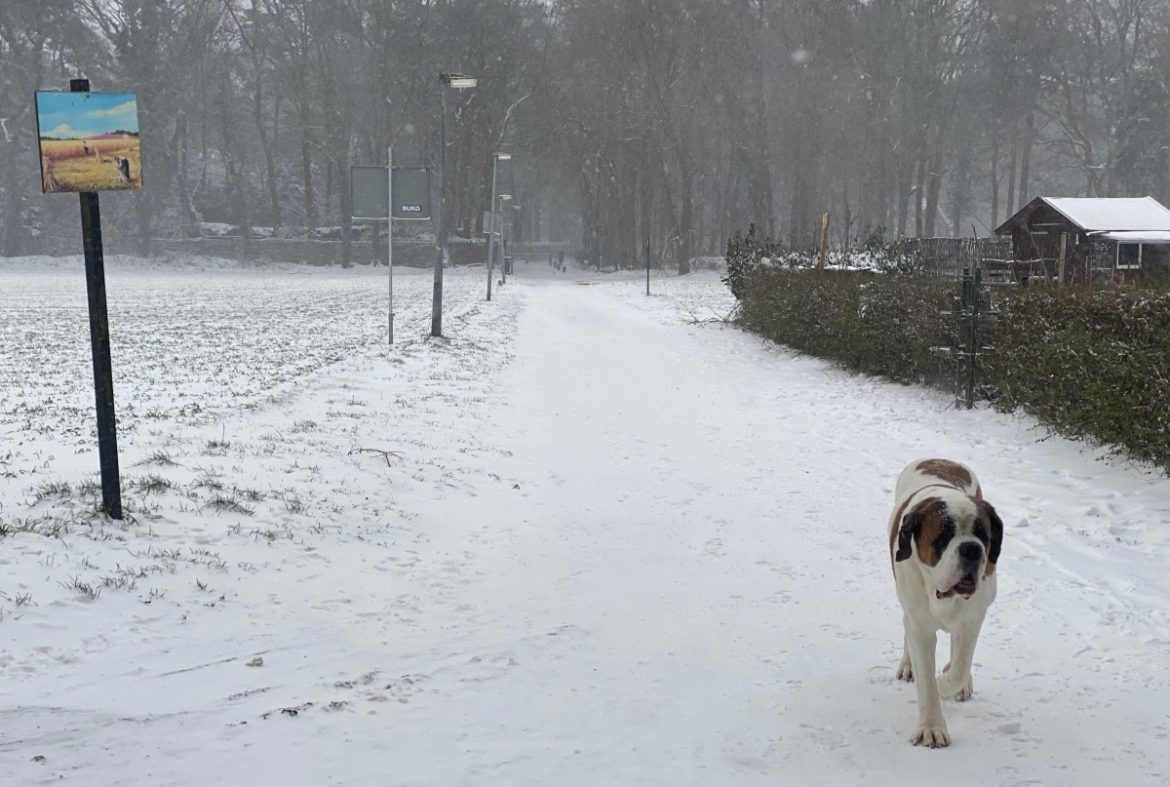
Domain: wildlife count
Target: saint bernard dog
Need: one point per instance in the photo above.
(944, 544)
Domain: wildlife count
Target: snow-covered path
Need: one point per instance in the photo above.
(609, 547)
(718, 543)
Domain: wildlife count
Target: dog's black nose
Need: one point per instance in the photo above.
(970, 551)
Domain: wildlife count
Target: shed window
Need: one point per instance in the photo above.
(1129, 256)
(1155, 256)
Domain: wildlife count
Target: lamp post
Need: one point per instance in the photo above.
(496, 158)
(459, 82)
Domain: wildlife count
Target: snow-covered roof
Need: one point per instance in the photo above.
(1095, 214)
(1135, 236)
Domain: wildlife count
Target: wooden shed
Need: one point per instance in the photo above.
(1104, 238)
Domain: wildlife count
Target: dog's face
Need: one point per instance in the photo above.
(956, 539)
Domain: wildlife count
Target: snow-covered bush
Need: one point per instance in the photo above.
(745, 252)
(872, 253)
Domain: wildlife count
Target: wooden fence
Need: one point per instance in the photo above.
(949, 256)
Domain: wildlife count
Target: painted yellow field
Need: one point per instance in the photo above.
(90, 165)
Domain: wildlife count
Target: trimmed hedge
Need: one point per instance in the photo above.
(1089, 363)
(872, 323)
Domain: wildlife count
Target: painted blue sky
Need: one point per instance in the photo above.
(86, 114)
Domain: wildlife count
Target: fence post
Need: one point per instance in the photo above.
(969, 332)
(972, 365)
(824, 241)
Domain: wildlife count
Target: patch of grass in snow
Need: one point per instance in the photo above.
(208, 481)
(151, 484)
(123, 579)
(217, 447)
(20, 599)
(84, 589)
(271, 534)
(51, 490)
(251, 495)
(229, 503)
(44, 525)
(292, 503)
(160, 457)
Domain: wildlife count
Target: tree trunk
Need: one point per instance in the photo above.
(762, 197)
(1026, 156)
(905, 179)
(307, 174)
(686, 224)
(920, 168)
(995, 178)
(179, 146)
(13, 202)
(1012, 161)
(346, 211)
(933, 188)
(266, 149)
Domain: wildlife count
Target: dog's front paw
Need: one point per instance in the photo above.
(905, 671)
(933, 734)
(960, 691)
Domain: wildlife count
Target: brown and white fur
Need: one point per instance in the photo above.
(944, 543)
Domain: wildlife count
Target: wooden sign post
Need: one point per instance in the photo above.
(99, 335)
(824, 241)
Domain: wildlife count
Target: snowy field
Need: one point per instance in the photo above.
(588, 538)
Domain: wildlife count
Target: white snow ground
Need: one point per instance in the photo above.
(608, 543)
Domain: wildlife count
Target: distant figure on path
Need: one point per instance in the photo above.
(124, 168)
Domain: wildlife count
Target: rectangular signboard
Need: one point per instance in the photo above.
(88, 141)
(371, 197)
(412, 193)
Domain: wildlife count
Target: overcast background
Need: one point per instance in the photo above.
(681, 120)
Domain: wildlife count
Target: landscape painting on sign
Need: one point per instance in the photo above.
(89, 141)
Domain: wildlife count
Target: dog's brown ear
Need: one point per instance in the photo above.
(994, 534)
(911, 524)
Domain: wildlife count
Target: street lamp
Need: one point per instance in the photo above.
(459, 82)
(496, 158)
